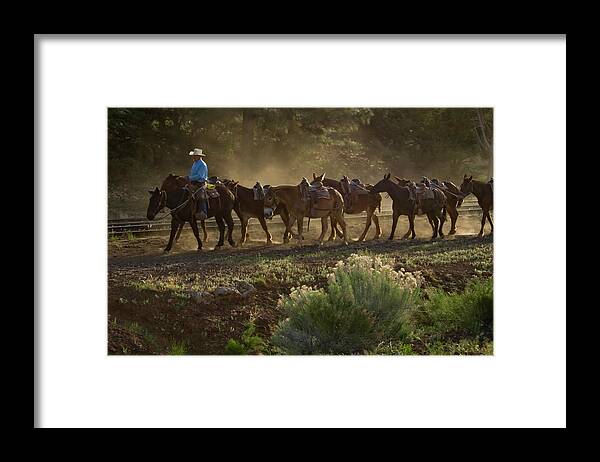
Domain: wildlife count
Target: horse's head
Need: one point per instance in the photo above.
(345, 184)
(318, 178)
(270, 197)
(383, 185)
(158, 199)
(466, 186)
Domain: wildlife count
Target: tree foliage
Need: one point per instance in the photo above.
(355, 141)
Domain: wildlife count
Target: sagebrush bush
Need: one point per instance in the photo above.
(363, 304)
(469, 313)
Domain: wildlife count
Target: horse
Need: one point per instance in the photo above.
(454, 199)
(291, 197)
(181, 181)
(362, 203)
(485, 198)
(435, 208)
(402, 204)
(183, 209)
(246, 207)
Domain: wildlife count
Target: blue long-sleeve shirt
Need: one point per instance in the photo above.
(199, 171)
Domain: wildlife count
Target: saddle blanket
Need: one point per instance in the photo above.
(319, 193)
(426, 193)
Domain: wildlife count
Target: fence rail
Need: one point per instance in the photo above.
(141, 226)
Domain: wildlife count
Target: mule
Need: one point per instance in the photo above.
(435, 209)
(402, 204)
(485, 198)
(454, 199)
(362, 203)
(298, 209)
(246, 207)
(183, 206)
(181, 181)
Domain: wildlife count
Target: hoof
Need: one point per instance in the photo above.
(452, 231)
(376, 238)
(166, 250)
(269, 242)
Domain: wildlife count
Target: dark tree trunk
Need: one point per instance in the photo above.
(248, 126)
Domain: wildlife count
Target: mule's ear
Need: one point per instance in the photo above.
(156, 189)
(322, 177)
(314, 176)
(471, 177)
(387, 176)
(465, 177)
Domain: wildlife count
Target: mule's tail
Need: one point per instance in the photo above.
(308, 225)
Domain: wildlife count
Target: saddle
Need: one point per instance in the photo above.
(316, 195)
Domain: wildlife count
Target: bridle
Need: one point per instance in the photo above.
(163, 203)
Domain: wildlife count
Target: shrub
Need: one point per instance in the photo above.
(362, 305)
(469, 313)
(249, 342)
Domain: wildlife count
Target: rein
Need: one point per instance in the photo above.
(163, 203)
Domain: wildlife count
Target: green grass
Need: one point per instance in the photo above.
(479, 257)
(178, 348)
(466, 314)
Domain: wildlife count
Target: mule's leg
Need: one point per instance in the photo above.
(194, 225)
(174, 227)
(394, 224)
(323, 229)
(442, 221)
(204, 233)
(244, 224)
(411, 224)
(453, 217)
(229, 221)
(377, 228)
(285, 217)
(489, 218)
(221, 225)
(342, 222)
(179, 232)
(300, 222)
(367, 225)
(333, 230)
(263, 223)
(435, 225)
(483, 218)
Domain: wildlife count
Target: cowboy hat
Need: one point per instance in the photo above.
(197, 152)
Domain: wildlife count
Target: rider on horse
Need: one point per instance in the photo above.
(197, 179)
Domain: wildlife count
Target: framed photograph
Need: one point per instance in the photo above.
(301, 224)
